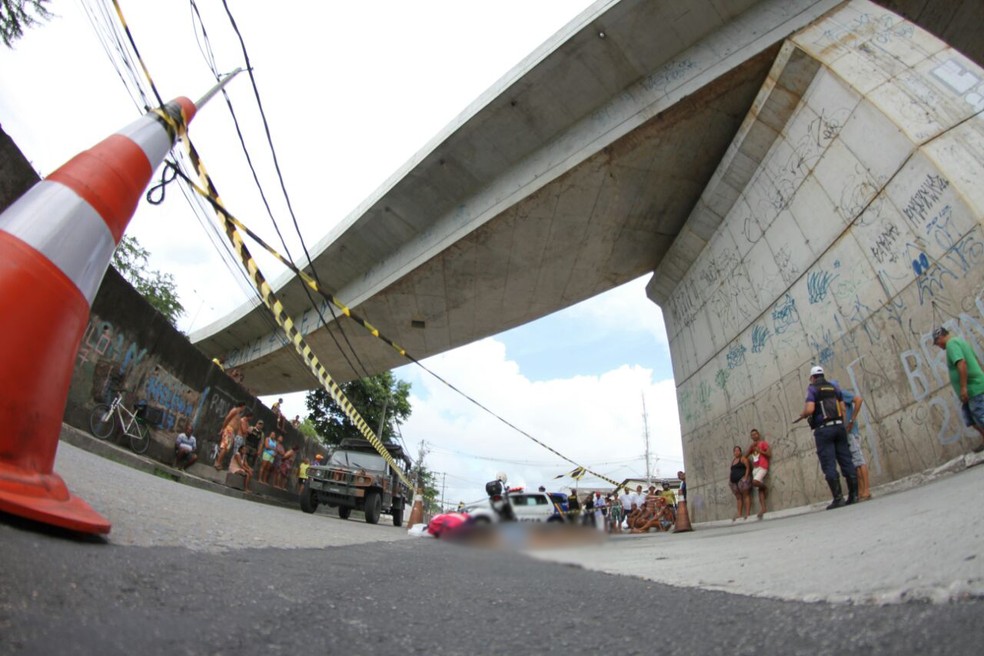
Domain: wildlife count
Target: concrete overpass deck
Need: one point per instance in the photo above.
(573, 175)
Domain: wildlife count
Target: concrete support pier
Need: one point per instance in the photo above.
(843, 224)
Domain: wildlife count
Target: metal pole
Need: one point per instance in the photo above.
(218, 87)
(645, 427)
(382, 419)
(444, 478)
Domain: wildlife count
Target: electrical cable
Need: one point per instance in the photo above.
(290, 208)
(268, 298)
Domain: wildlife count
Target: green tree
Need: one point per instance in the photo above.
(130, 259)
(16, 16)
(369, 396)
(307, 429)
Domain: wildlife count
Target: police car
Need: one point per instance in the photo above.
(527, 506)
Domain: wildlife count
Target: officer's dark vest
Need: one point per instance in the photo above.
(827, 408)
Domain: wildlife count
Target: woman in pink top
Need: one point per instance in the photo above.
(760, 454)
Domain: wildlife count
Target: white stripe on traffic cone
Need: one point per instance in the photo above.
(56, 242)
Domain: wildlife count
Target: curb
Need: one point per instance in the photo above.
(956, 465)
(110, 451)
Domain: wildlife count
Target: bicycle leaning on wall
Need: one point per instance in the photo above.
(106, 419)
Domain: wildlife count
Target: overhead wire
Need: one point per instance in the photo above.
(375, 332)
(290, 208)
(178, 126)
(232, 224)
(116, 50)
(120, 55)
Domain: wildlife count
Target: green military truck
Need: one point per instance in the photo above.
(357, 477)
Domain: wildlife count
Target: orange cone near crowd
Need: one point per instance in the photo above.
(56, 242)
(682, 518)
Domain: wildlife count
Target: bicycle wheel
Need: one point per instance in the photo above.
(140, 437)
(102, 421)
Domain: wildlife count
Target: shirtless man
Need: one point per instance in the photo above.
(647, 510)
(228, 433)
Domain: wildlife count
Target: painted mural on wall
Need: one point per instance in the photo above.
(859, 232)
(127, 345)
(116, 360)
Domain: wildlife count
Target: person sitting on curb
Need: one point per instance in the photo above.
(662, 519)
(239, 466)
(185, 446)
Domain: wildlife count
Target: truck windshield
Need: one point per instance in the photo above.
(359, 459)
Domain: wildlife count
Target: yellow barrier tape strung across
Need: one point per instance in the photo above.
(285, 322)
(310, 282)
(231, 224)
(266, 293)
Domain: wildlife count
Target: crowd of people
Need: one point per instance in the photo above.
(627, 510)
(832, 412)
(246, 450)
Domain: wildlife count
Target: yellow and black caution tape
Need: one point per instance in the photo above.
(286, 323)
(310, 282)
(233, 225)
(266, 292)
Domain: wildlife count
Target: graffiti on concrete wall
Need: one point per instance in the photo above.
(119, 362)
(872, 246)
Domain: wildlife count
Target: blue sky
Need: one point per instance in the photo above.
(370, 84)
(563, 345)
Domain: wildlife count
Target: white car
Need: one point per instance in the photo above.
(527, 506)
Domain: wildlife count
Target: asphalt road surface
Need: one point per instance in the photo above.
(189, 572)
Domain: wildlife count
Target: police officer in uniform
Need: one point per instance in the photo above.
(824, 409)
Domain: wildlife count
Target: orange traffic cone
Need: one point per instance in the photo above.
(56, 242)
(683, 518)
(417, 511)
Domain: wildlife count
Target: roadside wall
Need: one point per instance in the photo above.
(842, 226)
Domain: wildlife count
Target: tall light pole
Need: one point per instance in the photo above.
(645, 432)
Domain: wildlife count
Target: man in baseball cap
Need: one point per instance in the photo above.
(824, 408)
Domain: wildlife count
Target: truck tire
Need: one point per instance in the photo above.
(344, 512)
(374, 506)
(398, 516)
(309, 502)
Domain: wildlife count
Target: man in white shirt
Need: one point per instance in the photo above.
(629, 502)
(185, 446)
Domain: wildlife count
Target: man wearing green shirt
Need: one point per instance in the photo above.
(966, 377)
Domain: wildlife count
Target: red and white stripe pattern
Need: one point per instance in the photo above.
(56, 242)
(76, 217)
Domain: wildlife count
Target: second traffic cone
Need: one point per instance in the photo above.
(56, 242)
(682, 518)
(417, 511)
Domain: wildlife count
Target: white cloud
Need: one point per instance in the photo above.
(625, 308)
(594, 420)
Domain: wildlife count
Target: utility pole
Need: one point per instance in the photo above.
(418, 486)
(421, 454)
(382, 419)
(645, 429)
(444, 478)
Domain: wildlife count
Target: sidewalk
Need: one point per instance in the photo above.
(918, 539)
(201, 476)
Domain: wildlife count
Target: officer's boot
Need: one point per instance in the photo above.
(852, 490)
(835, 489)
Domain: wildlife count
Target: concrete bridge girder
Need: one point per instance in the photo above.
(454, 250)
